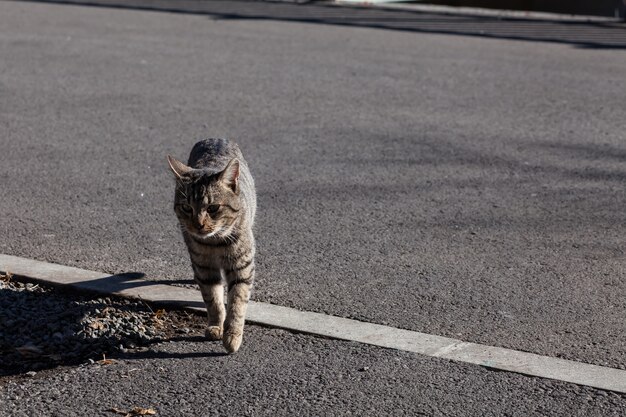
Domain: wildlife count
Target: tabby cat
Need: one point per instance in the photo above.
(215, 202)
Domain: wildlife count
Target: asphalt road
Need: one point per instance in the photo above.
(285, 374)
(465, 186)
(176, 372)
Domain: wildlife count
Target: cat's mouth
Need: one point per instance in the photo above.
(204, 234)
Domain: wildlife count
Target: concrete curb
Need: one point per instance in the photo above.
(128, 285)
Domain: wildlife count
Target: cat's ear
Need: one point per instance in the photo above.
(178, 168)
(230, 175)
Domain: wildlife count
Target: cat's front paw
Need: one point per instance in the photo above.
(213, 333)
(232, 341)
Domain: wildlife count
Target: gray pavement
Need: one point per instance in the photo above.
(456, 185)
(176, 372)
(285, 374)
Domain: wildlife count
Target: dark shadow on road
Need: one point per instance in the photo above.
(177, 282)
(584, 150)
(589, 35)
(118, 283)
(44, 328)
(515, 232)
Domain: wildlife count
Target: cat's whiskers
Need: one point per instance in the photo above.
(202, 236)
(214, 233)
(230, 237)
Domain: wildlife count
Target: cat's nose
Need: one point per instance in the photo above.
(204, 230)
(198, 224)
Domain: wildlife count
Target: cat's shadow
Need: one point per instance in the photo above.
(177, 282)
(124, 281)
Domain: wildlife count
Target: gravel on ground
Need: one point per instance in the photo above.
(42, 328)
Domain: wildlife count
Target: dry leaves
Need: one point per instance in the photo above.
(6, 277)
(127, 373)
(158, 317)
(97, 325)
(136, 411)
(105, 361)
(144, 411)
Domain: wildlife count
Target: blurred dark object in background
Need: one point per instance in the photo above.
(608, 8)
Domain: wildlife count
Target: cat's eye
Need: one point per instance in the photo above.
(186, 208)
(213, 209)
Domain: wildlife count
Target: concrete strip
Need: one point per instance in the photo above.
(476, 11)
(130, 285)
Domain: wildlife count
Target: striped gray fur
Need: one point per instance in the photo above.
(215, 202)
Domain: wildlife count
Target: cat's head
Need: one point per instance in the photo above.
(207, 203)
